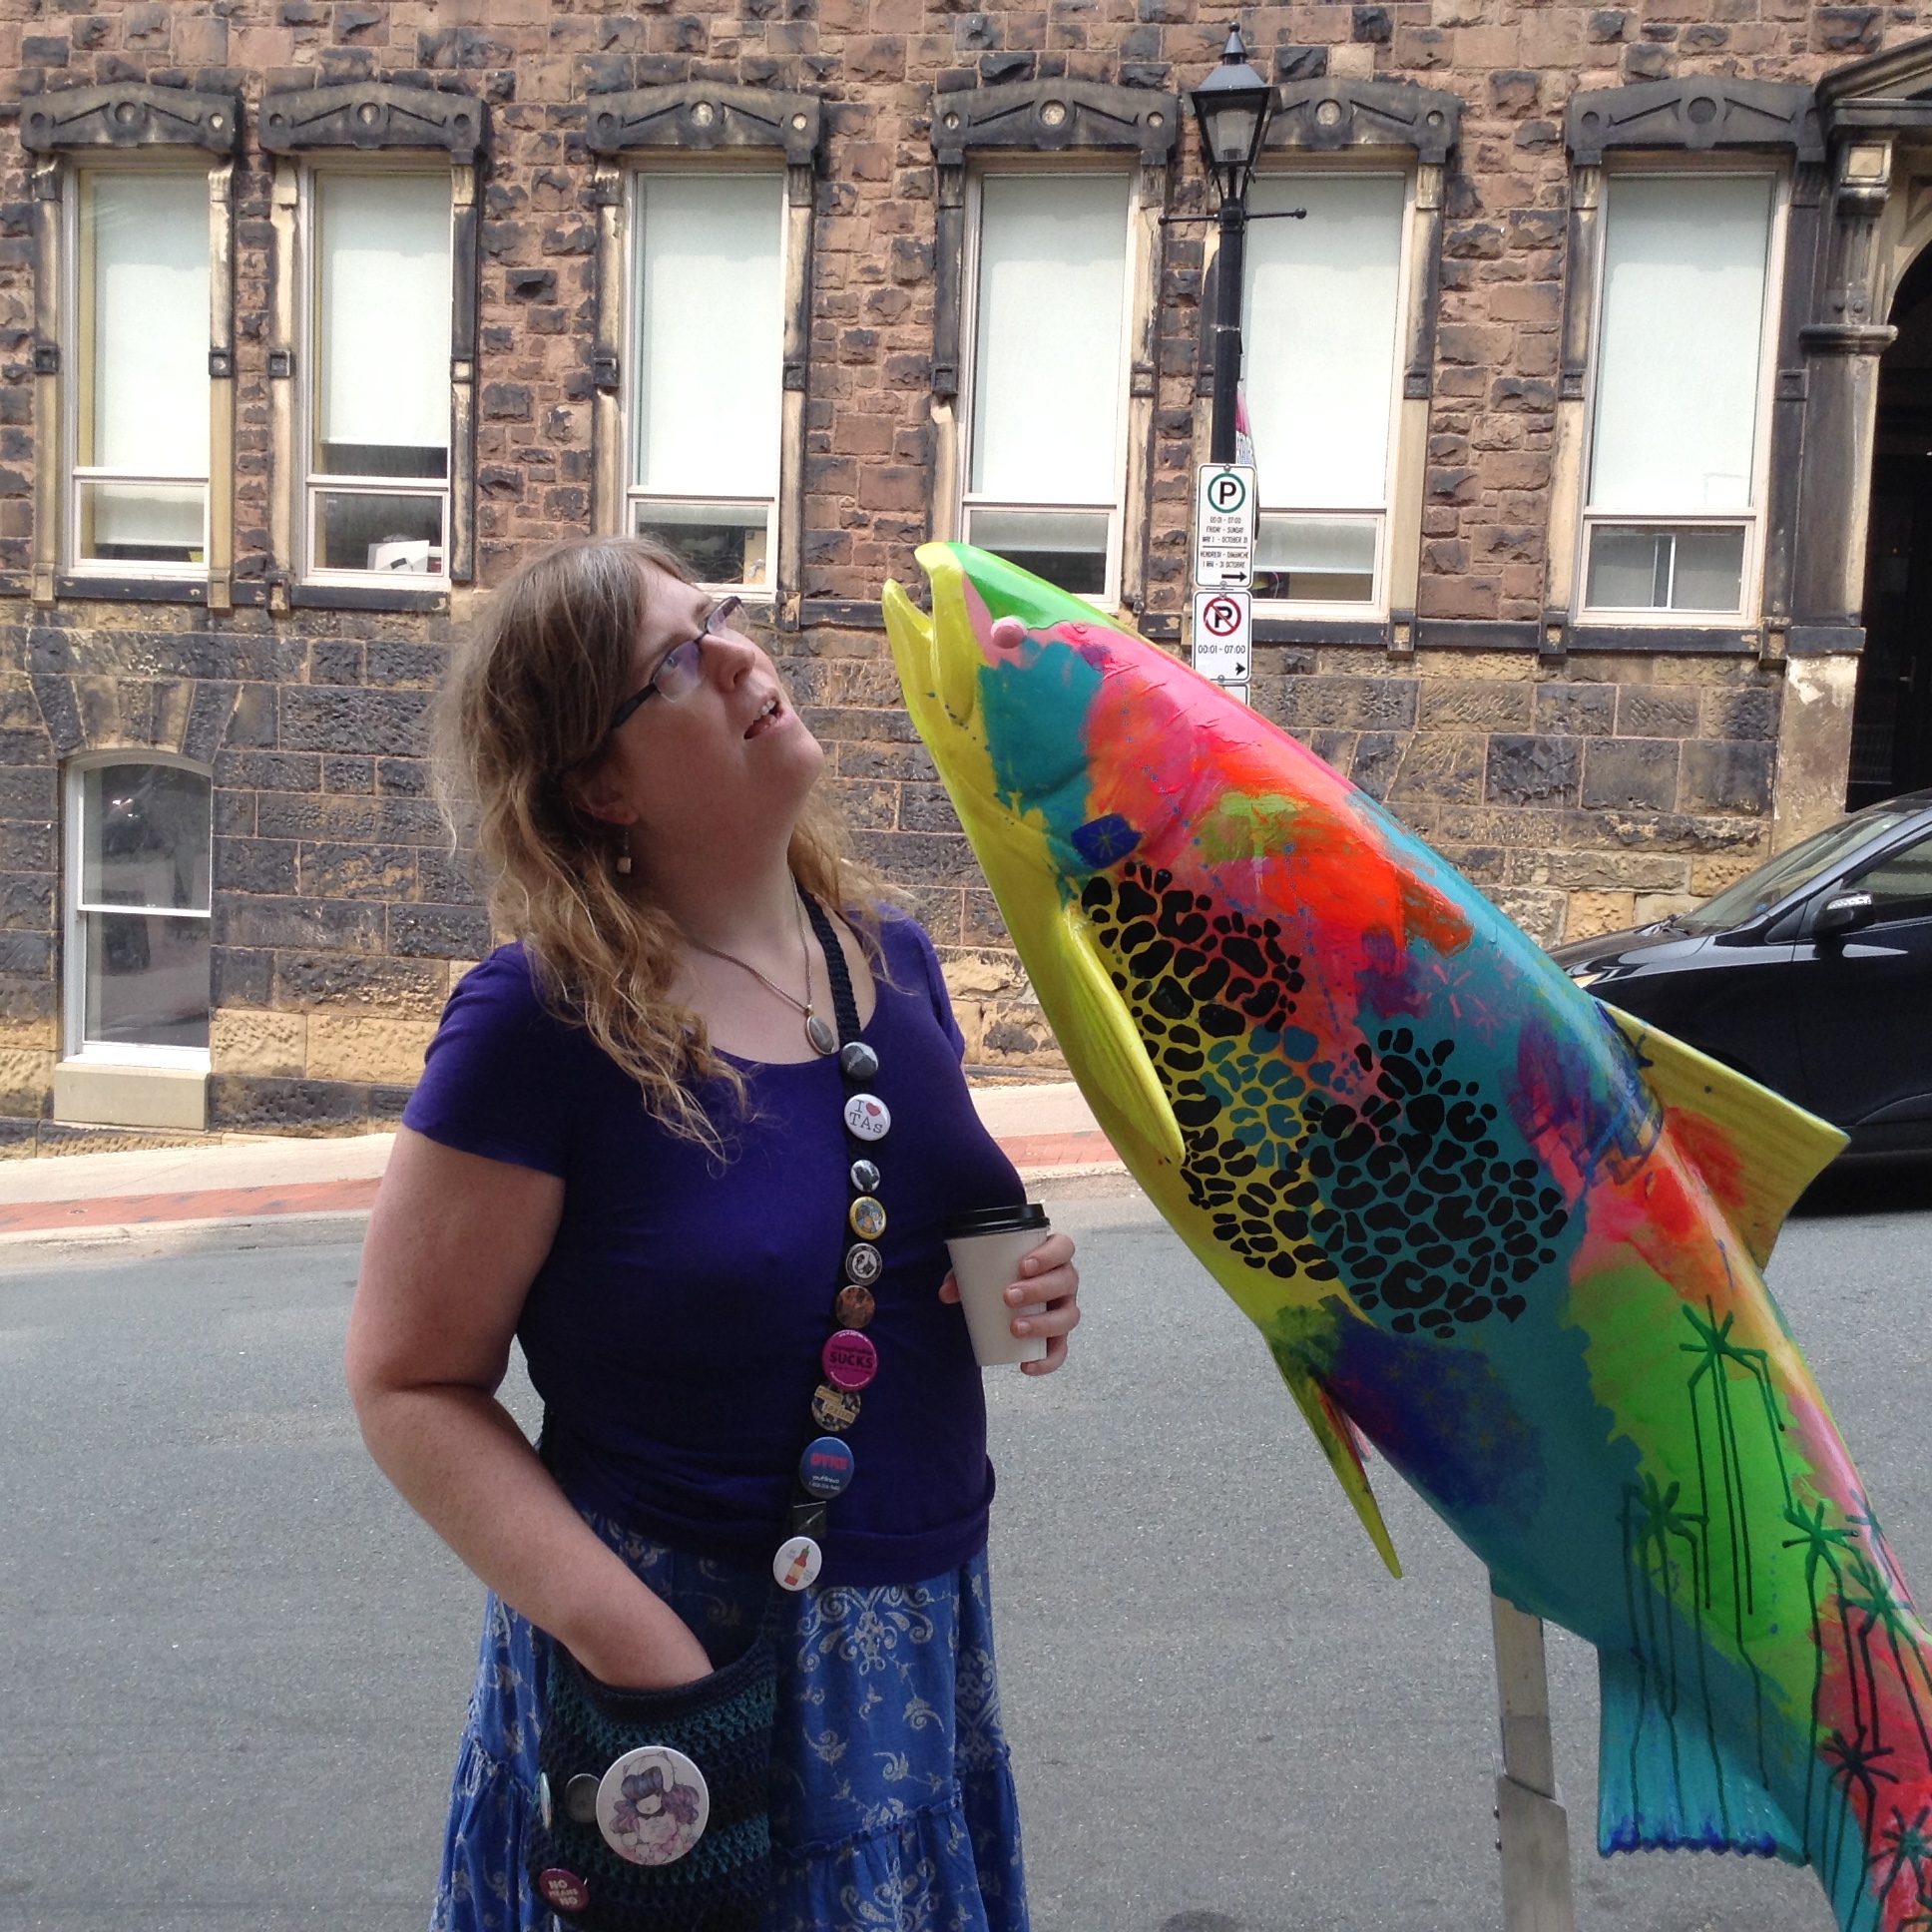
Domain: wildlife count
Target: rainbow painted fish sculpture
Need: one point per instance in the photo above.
(1511, 1237)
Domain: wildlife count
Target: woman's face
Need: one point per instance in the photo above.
(727, 758)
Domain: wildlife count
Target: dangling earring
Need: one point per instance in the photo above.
(624, 858)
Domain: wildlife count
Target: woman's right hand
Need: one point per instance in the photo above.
(653, 1658)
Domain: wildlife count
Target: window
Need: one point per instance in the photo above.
(379, 408)
(1900, 884)
(140, 351)
(1676, 433)
(1048, 388)
(138, 913)
(706, 360)
(1323, 310)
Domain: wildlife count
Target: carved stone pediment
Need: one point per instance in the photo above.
(703, 116)
(1043, 116)
(1708, 112)
(372, 115)
(1327, 115)
(129, 115)
(1888, 92)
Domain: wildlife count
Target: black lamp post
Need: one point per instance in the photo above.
(1232, 106)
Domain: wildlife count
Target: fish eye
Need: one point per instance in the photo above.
(1008, 633)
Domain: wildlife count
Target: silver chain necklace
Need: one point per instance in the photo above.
(824, 1040)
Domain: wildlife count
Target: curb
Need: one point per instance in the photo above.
(115, 1221)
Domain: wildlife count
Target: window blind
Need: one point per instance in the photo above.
(710, 337)
(385, 310)
(1680, 343)
(145, 305)
(1047, 388)
(1320, 337)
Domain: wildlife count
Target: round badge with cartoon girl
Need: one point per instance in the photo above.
(652, 1805)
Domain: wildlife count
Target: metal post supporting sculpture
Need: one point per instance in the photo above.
(1511, 1237)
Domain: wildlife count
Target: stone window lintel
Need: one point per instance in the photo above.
(371, 116)
(126, 115)
(1701, 115)
(701, 117)
(1048, 117)
(1332, 115)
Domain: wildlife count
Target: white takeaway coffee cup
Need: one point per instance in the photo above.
(987, 1245)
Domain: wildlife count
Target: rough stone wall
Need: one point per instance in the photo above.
(1579, 796)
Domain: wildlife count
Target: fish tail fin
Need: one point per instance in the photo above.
(1756, 1152)
(1336, 1435)
(1667, 1779)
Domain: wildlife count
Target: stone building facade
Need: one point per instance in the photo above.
(1585, 773)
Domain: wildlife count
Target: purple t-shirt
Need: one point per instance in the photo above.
(675, 1328)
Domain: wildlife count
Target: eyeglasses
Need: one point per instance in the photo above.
(680, 670)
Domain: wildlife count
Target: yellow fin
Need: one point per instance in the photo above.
(1756, 1150)
(1111, 1045)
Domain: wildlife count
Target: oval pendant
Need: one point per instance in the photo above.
(824, 1039)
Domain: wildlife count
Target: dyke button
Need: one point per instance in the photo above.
(825, 1469)
(564, 1891)
(865, 1178)
(867, 1217)
(857, 1060)
(834, 1408)
(867, 1117)
(850, 1359)
(854, 1306)
(863, 1265)
(799, 1560)
(579, 1800)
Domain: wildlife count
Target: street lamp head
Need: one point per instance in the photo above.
(1232, 106)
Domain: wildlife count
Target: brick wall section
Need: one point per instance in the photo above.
(1578, 797)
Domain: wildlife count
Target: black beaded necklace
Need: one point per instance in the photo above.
(848, 1360)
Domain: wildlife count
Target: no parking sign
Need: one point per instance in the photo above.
(1223, 633)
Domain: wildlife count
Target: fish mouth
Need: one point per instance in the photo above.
(937, 656)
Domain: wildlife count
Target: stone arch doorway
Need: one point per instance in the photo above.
(1891, 728)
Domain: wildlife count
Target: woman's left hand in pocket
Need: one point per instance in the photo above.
(1049, 1281)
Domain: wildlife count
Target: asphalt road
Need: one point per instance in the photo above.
(237, 1666)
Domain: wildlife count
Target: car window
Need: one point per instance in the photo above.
(1901, 883)
(1779, 878)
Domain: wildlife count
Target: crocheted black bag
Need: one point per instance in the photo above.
(723, 1724)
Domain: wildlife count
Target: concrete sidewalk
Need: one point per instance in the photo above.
(1047, 1132)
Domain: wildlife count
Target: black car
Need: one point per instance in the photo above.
(1812, 975)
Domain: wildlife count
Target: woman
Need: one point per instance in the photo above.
(630, 1151)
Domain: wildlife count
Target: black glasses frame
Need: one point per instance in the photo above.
(719, 616)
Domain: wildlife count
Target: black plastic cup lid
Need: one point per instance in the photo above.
(1007, 1219)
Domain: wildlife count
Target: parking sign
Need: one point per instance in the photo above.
(1224, 632)
(1224, 526)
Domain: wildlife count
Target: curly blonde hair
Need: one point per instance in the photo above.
(523, 720)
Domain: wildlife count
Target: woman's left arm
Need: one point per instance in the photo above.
(1047, 1275)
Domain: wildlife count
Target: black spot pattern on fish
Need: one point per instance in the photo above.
(1406, 1193)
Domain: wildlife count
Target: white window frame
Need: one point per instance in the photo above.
(769, 167)
(1752, 519)
(1108, 598)
(1375, 606)
(74, 477)
(77, 1046)
(308, 369)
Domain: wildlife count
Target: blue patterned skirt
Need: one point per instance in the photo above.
(892, 1803)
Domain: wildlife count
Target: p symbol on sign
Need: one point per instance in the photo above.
(1221, 615)
(1227, 492)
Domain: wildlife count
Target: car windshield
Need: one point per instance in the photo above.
(1788, 872)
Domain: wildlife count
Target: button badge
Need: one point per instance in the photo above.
(652, 1805)
(799, 1560)
(850, 1359)
(857, 1060)
(825, 1469)
(865, 1178)
(867, 1217)
(564, 1891)
(834, 1408)
(854, 1306)
(579, 1800)
(867, 1117)
(863, 1265)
